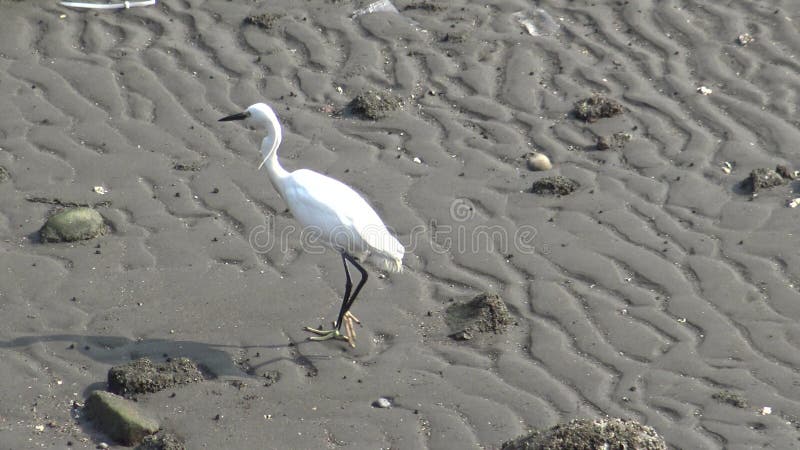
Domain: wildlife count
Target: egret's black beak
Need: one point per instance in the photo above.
(237, 116)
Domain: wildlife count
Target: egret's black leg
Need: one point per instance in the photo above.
(348, 285)
(349, 301)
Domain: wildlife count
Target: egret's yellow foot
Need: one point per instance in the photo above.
(325, 335)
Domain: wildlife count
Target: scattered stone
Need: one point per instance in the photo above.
(704, 90)
(142, 376)
(617, 141)
(118, 418)
(73, 224)
(484, 313)
(4, 174)
(597, 107)
(583, 434)
(382, 402)
(161, 441)
(726, 167)
(99, 190)
(417, 160)
(763, 178)
(538, 161)
(557, 185)
(264, 21)
(744, 39)
(374, 105)
(192, 166)
(731, 398)
(765, 411)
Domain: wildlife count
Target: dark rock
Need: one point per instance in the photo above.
(484, 313)
(784, 172)
(763, 178)
(585, 434)
(597, 107)
(374, 105)
(555, 185)
(120, 419)
(161, 441)
(731, 398)
(142, 376)
(73, 224)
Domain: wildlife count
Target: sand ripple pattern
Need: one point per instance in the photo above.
(656, 285)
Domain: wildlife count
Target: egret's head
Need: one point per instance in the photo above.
(259, 116)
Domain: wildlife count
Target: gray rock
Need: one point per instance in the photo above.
(763, 178)
(484, 313)
(556, 185)
(73, 224)
(374, 105)
(142, 376)
(120, 419)
(583, 434)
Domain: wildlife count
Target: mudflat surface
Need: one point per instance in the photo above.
(658, 283)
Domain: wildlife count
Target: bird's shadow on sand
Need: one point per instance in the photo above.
(216, 360)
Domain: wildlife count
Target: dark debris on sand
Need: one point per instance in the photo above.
(763, 178)
(265, 21)
(555, 185)
(374, 105)
(597, 107)
(425, 6)
(617, 141)
(4, 176)
(583, 434)
(143, 376)
(161, 441)
(731, 398)
(484, 313)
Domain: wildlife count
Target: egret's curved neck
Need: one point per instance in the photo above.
(269, 148)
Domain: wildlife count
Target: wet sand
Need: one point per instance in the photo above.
(658, 283)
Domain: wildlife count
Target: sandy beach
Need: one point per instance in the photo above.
(656, 290)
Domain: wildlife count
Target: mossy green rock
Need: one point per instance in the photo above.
(73, 224)
(119, 418)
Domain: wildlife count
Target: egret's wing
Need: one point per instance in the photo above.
(339, 212)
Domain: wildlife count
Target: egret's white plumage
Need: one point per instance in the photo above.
(343, 219)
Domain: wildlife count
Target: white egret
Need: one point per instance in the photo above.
(341, 217)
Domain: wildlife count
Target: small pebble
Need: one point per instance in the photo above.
(704, 90)
(765, 411)
(382, 402)
(538, 161)
(102, 445)
(794, 203)
(417, 160)
(99, 190)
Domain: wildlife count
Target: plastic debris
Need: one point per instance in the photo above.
(540, 23)
(745, 39)
(124, 5)
(379, 6)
